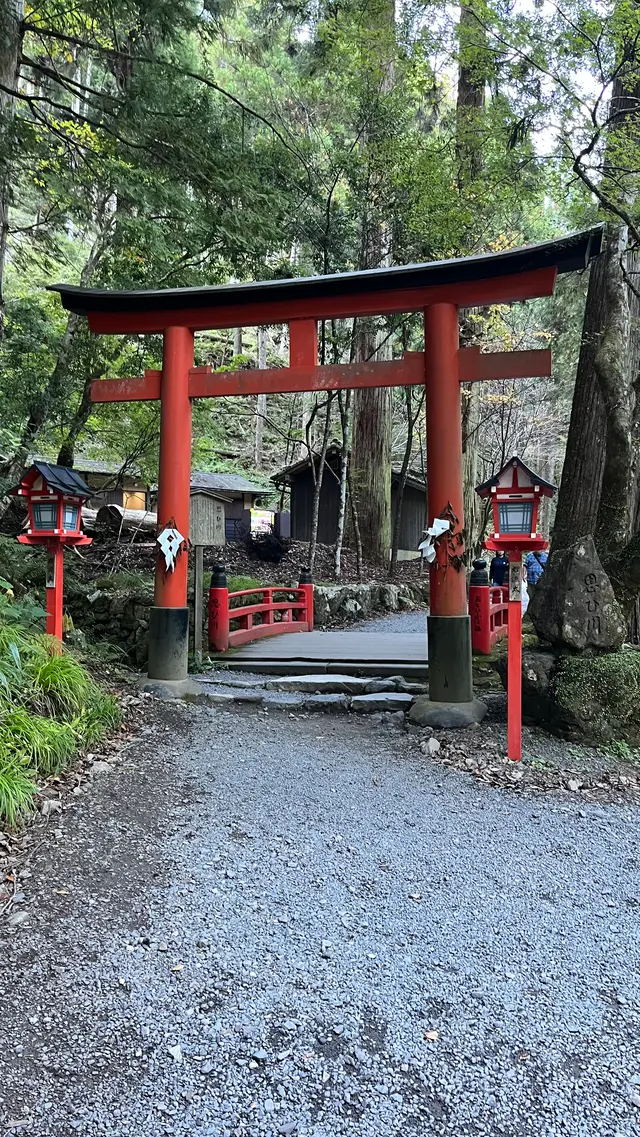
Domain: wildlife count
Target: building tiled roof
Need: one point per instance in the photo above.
(225, 482)
(94, 465)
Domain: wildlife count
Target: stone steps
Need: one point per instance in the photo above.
(336, 693)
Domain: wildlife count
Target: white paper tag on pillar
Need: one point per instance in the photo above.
(434, 531)
(515, 581)
(170, 542)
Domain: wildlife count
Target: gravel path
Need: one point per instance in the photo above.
(265, 926)
(395, 622)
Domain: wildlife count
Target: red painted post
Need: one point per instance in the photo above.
(175, 460)
(55, 590)
(514, 662)
(448, 590)
(448, 624)
(303, 343)
(306, 594)
(218, 610)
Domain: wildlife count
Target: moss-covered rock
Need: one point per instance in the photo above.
(588, 697)
(600, 695)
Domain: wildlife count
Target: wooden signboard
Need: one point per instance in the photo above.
(206, 520)
(206, 528)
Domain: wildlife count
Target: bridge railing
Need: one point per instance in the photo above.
(277, 608)
(488, 608)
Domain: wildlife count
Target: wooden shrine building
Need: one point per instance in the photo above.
(299, 479)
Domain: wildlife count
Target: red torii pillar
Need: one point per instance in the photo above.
(169, 617)
(449, 625)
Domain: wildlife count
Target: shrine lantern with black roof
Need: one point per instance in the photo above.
(54, 496)
(515, 493)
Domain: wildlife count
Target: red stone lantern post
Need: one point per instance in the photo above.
(515, 492)
(54, 496)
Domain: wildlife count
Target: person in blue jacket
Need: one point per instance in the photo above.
(534, 564)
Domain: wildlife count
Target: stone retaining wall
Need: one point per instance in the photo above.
(122, 618)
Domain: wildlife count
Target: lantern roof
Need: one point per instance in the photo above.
(61, 479)
(515, 475)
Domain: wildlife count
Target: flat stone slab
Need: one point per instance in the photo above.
(169, 689)
(447, 716)
(384, 701)
(320, 684)
(327, 702)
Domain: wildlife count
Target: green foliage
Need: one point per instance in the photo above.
(96, 720)
(26, 612)
(49, 708)
(17, 789)
(124, 582)
(41, 743)
(620, 751)
(60, 686)
(239, 583)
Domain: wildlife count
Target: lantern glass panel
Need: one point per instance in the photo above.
(515, 516)
(45, 514)
(70, 517)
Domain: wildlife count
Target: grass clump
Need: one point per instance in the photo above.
(50, 708)
(17, 789)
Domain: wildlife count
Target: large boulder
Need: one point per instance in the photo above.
(574, 605)
(538, 673)
(587, 697)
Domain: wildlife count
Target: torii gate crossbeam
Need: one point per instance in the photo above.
(439, 290)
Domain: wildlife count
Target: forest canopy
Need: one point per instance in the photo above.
(166, 144)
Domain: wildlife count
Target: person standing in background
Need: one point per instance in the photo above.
(499, 568)
(534, 563)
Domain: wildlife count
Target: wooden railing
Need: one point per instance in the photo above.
(279, 609)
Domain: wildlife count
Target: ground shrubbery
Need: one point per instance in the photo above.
(49, 709)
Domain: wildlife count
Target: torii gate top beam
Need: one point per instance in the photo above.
(491, 278)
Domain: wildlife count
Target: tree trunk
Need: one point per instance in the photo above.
(372, 420)
(261, 401)
(11, 35)
(237, 341)
(371, 469)
(473, 72)
(41, 409)
(616, 366)
(12, 469)
(67, 453)
(581, 483)
(356, 529)
(345, 423)
(412, 418)
(315, 511)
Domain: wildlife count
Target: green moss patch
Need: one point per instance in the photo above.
(601, 694)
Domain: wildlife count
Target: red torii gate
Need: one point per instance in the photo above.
(439, 289)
